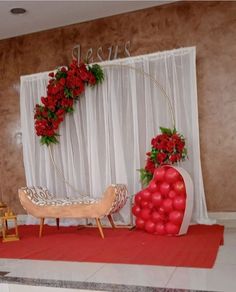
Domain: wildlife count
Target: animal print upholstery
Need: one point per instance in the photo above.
(42, 197)
(120, 199)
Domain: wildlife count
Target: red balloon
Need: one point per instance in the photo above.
(140, 223)
(145, 214)
(144, 204)
(136, 210)
(156, 217)
(152, 187)
(179, 187)
(157, 199)
(176, 217)
(172, 228)
(160, 229)
(162, 211)
(172, 194)
(146, 195)
(179, 203)
(172, 175)
(159, 174)
(138, 198)
(167, 205)
(164, 188)
(149, 226)
(150, 205)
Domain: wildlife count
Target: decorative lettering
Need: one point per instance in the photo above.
(101, 53)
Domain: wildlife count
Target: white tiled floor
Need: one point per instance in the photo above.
(23, 288)
(133, 275)
(221, 278)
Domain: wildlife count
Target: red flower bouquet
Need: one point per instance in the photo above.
(64, 88)
(167, 148)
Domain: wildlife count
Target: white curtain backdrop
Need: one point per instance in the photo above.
(105, 140)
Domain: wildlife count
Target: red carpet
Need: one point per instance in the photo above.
(196, 249)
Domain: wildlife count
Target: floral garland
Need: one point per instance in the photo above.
(167, 148)
(63, 90)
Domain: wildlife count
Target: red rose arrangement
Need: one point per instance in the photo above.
(63, 90)
(167, 148)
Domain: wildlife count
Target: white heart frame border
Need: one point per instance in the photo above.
(189, 198)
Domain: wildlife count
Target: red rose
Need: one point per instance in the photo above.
(62, 81)
(74, 64)
(44, 113)
(60, 112)
(180, 146)
(55, 124)
(55, 89)
(84, 75)
(170, 146)
(44, 100)
(63, 69)
(92, 79)
(161, 157)
(173, 158)
(150, 166)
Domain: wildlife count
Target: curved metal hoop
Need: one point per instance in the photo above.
(60, 173)
(154, 81)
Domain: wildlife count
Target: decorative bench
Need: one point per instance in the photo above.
(40, 203)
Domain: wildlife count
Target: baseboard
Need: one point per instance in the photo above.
(228, 219)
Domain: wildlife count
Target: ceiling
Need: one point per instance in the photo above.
(43, 15)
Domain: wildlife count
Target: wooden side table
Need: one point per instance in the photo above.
(5, 235)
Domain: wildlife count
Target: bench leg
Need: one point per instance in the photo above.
(98, 221)
(111, 221)
(58, 221)
(41, 227)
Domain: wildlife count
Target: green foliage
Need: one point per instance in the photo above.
(154, 153)
(68, 92)
(60, 74)
(69, 110)
(168, 131)
(47, 140)
(97, 72)
(52, 115)
(145, 176)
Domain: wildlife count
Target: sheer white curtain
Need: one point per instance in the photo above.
(106, 138)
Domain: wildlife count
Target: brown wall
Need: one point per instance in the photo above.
(210, 26)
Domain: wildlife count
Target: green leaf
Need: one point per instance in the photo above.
(97, 72)
(51, 115)
(47, 140)
(154, 153)
(69, 110)
(67, 92)
(145, 176)
(167, 131)
(60, 74)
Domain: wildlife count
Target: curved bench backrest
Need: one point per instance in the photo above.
(121, 196)
(39, 202)
(37, 194)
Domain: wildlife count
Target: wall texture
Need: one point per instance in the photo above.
(210, 26)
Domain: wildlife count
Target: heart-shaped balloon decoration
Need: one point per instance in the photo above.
(164, 207)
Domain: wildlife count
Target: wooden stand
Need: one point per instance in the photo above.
(2, 208)
(5, 236)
